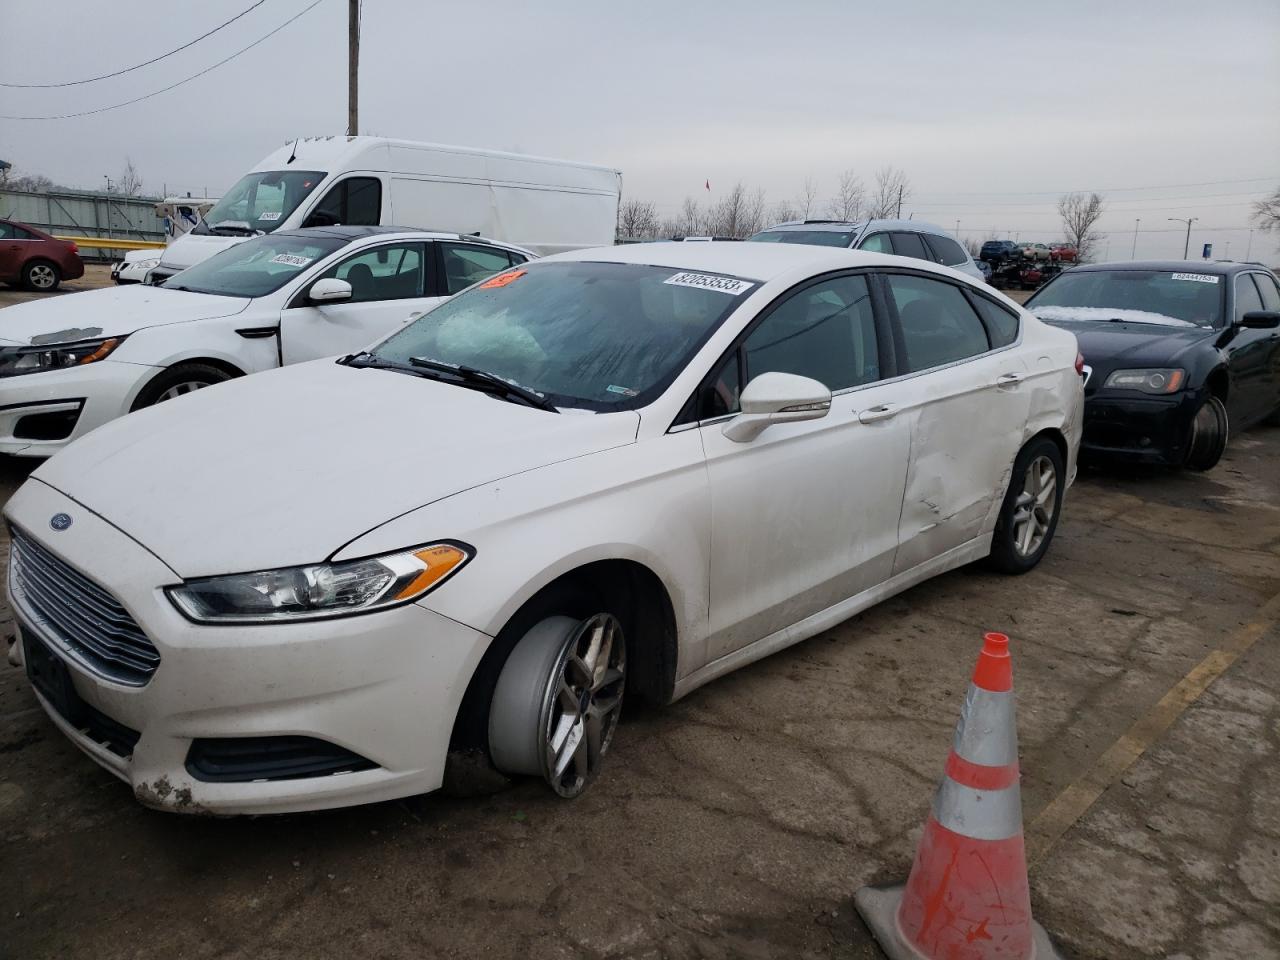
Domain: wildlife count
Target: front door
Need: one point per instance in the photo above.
(389, 287)
(968, 409)
(806, 514)
(1253, 355)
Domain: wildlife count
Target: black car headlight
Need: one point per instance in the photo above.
(1148, 380)
(320, 590)
(15, 361)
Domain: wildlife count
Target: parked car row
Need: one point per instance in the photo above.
(998, 251)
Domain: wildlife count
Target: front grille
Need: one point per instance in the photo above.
(87, 619)
(252, 759)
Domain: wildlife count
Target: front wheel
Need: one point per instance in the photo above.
(557, 701)
(1208, 435)
(177, 380)
(1032, 505)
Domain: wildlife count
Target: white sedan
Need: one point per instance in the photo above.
(617, 473)
(70, 364)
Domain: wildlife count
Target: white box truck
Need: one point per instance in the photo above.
(543, 205)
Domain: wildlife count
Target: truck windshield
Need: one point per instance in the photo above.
(1169, 297)
(259, 202)
(593, 335)
(254, 268)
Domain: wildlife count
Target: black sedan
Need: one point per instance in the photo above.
(1176, 353)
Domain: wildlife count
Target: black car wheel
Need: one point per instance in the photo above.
(1032, 505)
(1208, 435)
(41, 275)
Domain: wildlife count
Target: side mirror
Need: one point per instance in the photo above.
(329, 290)
(1261, 319)
(777, 398)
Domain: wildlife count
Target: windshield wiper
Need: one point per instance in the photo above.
(486, 381)
(235, 226)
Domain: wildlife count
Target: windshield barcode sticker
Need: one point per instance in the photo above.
(290, 259)
(705, 281)
(269, 215)
(1198, 277)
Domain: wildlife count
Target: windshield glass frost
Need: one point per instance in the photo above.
(254, 268)
(1140, 296)
(260, 201)
(604, 336)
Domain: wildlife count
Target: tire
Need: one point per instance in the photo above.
(177, 380)
(1032, 505)
(556, 704)
(1208, 437)
(41, 275)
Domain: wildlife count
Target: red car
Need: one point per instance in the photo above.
(36, 260)
(1063, 253)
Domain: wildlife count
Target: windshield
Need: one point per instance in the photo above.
(819, 238)
(603, 336)
(1135, 296)
(254, 268)
(260, 202)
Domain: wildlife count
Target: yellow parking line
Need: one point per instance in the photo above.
(1072, 803)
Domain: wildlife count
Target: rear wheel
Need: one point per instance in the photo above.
(178, 380)
(557, 701)
(1209, 431)
(41, 275)
(1032, 505)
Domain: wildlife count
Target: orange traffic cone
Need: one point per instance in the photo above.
(967, 896)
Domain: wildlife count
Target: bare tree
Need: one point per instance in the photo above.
(690, 220)
(974, 246)
(738, 213)
(893, 189)
(806, 198)
(783, 211)
(850, 198)
(1266, 213)
(31, 183)
(1079, 213)
(637, 220)
(129, 183)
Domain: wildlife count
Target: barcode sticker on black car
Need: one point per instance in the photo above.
(1198, 277)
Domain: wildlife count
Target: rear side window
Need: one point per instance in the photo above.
(355, 201)
(465, 264)
(946, 251)
(910, 245)
(1270, 291)
(877, 243)
(938, 325)
(1002, 324)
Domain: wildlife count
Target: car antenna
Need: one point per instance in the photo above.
(293, 154)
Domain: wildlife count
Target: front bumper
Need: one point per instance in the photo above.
(384, 686)
(40, 413)
(1154, 430)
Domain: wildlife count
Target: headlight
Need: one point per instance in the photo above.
(1148, 381)
(320, 590)
(144, 264)
(15, 361)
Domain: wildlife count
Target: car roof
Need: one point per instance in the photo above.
(752, 261)
(1213, 267)
(842, 226)
(350, 234)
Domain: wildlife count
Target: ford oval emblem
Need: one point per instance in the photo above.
(60, 521)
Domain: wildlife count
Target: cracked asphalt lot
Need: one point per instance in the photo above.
(738, 822)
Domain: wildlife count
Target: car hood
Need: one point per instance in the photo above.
(110, 312)
(1108, 343)
(192, 248)
(285, 467)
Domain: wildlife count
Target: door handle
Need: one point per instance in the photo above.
(1008, 379)
(882, 411)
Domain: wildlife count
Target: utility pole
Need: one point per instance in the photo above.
(1188, 221)
(900, 201)
(1249, 249)
(957, 229)
(353, 67)
(1133, 254)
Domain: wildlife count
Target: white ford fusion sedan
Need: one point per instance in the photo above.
(72, 363)
(608, 475)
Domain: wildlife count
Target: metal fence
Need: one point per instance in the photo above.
(86, 214)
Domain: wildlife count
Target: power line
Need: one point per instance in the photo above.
(1157, 186)
(117, 106)
(106, 76)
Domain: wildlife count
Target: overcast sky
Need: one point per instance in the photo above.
(1169, 108)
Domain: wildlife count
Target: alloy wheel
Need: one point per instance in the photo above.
(42, 277)
(1034, 509)
(178, 389)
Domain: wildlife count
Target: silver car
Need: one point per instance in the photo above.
(906, 238)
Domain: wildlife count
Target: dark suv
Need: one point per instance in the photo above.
(994, 251)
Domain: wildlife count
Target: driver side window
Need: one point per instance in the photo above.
(353, 202)
(393, 272)
(825, 332)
